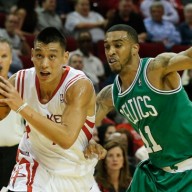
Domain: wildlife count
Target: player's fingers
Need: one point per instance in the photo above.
(103, 154)
(5, 84)
(95, 149)
(3, 92)
(87, 153)
(100, 151)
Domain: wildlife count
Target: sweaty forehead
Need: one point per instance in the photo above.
(116, 36)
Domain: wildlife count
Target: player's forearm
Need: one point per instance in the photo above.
(187, 53)
(100, 114)
(104, 104)
(181, 61)
(56, 132)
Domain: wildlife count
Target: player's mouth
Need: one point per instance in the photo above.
(112, 61)
(44, 74)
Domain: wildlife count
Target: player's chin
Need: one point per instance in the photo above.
(115, 70)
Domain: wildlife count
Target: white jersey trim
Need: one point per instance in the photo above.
(121, 94)
(158, 90)
(72, 81)
(19, 82)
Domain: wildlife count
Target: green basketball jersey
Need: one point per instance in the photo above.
(163, 118)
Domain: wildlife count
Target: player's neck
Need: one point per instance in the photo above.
(47, 90)
(128, 74)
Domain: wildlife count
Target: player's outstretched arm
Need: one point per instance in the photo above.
(80, 97)
(104, 103)
(172, 62)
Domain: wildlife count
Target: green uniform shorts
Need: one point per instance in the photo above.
(148, 178)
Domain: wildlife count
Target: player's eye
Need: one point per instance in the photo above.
(52, 57)
(107, 47)
(38, 56)
(4, 56)
(118, 45)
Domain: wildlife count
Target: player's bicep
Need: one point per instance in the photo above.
(80, 93)
(78, 103)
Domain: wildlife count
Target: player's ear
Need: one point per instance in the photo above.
(135, 49)
(32, 53)
(66, 57)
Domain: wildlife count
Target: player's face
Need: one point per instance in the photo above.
(5, 59)
(118, 49)
(48, 60)
(114, 159)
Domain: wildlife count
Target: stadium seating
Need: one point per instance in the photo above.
(151, 49)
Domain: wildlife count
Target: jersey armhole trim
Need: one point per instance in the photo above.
(158, 91)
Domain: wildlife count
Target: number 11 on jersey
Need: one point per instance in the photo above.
(153, 146)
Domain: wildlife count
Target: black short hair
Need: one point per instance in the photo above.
(131, 32)
(50, 35)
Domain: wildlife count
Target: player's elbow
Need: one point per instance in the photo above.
(66, 144)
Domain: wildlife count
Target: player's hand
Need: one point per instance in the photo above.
(95, 148)
(12, 97)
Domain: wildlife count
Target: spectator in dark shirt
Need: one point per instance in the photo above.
(188, 87)
(47, 16)
(126, 15)
(185, 28)
(25, 10)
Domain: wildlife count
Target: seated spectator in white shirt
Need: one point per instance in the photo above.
(83, 18)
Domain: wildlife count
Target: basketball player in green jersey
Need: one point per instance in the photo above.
(149, 94)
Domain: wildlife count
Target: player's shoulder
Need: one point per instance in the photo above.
(20, 74)
(160, 61)
(74, 72)
(78, 79)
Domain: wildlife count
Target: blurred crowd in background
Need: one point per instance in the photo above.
(162, 25)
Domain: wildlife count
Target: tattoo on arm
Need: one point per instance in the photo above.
(104, 99)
